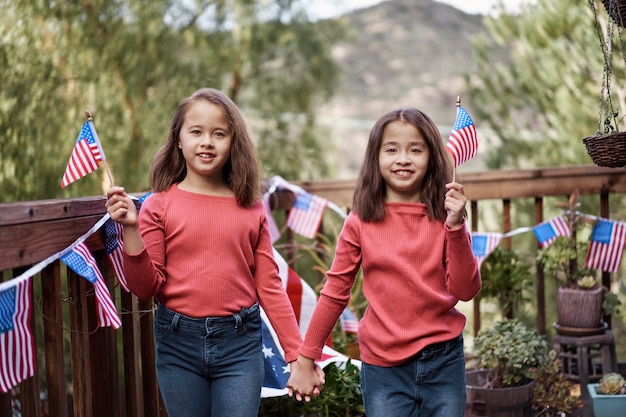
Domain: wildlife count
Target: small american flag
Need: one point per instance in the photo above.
(81, 261)
(114, 247)
(483, 244)
(462, 143)
(17, 345)
(348, 321)
(547, 232)
(306, 214)
(85, 156)
(607, 245)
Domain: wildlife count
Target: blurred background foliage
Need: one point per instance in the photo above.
(130, 62)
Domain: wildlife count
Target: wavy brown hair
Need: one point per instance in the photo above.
(241, 171)
(369, 195)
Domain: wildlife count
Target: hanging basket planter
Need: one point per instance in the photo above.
(617, 11)
(607, 147)
(607, 150)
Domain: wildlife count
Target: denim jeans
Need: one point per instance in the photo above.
(209, 366)
(431, 383)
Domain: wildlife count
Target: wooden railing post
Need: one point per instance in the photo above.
(52, 313)
(540, 280)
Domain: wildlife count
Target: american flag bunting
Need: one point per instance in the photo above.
(81, 261)
(348, 321)
(17, 344)
(114, 247)
(483, 244)
(306, 214)
(547, 232)
(607, 245)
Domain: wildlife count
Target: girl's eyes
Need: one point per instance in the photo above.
(218, 133)
(412, 150)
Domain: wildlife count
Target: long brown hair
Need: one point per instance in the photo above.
(369, 195)
(241, 172)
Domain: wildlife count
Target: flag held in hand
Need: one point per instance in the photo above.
(462, 143)
(86, 155)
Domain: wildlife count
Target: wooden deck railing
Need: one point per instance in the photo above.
(89, 371)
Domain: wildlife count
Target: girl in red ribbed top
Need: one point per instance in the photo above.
(407, 232)
(201, 246)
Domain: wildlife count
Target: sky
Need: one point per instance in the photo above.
(328, 8)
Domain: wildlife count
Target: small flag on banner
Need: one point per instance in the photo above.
(81, 261)
(607, 245)
(463, 142)
(114, 247)
(348, 321)
(17, 345)
(483, 244)
(306, 214)
(86, 155)
(547, 232)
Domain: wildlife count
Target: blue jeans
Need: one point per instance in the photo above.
(209, 366)
(431, 383)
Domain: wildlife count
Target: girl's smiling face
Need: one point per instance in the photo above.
(403, 162)
(205, 140)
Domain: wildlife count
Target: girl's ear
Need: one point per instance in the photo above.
(179, 145)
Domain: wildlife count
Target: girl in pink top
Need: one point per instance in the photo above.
(201, 246)
(407, 232)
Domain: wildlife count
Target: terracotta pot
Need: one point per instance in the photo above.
(579, 308)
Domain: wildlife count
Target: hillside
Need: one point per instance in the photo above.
(402, 53)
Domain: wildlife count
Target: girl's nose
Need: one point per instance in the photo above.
(403, 158)
(207, 140)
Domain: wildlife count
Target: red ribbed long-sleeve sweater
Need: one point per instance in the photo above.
(414, 273)
(207, 256)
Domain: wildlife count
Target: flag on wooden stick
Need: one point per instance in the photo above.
(462, 143)
(86, 155)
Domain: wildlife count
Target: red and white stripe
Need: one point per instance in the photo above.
(84, 160)
(17, 346)
(608, 256)
(107, 314)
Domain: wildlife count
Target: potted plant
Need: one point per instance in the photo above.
(506, 353)
(553, 391)
(506, 276)
(580, 299)
(608, 396)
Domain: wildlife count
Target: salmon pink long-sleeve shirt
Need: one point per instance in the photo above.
(414, 273)
(207, 256)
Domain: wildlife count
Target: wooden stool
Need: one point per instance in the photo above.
(586, 359)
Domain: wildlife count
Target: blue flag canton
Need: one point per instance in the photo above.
(303, 201)
(80, 266)
(544, 232)
(110, 241)
(85, 133)
(479, 245)
(276, 370)
(7, 309)
(463, 119)
(602, 232)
